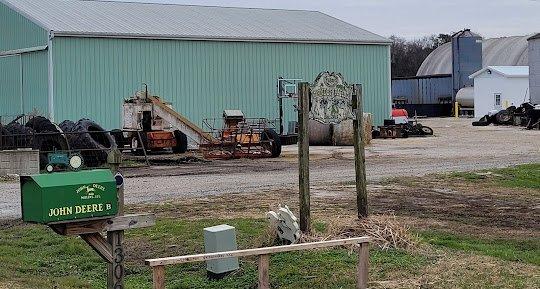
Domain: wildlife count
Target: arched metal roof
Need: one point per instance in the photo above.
(504, 51)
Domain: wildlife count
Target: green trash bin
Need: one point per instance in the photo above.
(68, 196)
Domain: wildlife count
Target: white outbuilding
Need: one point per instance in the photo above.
(498, 87)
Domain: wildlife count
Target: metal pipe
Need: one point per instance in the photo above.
(50, 77)
(21, 82)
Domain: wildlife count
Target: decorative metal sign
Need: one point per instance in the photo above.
(331, 99)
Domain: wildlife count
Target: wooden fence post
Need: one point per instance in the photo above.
(158, 276)
(359, 153)
(303, 156)
(362, 269)
(264, 274)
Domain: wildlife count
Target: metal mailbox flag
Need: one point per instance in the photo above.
(68, 196)
(331, 99)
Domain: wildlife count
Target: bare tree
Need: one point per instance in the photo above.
(408, 55)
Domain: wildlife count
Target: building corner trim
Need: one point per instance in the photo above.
(50, 72)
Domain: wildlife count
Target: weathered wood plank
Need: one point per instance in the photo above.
(158, 275)
(79, 227)
(359, 154)
(362, 269)
(303, 156)
(254, 252)
(127, 222)
(84, 228)
(100, 245)
(116, 269)
(264, 274)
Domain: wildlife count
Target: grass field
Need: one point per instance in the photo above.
(456, 246)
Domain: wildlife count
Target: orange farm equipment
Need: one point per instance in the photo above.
(240, 137)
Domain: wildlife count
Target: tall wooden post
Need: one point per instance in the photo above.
(303, 156)
(115, 269)
(359, 153)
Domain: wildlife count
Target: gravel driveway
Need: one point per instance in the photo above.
(456, 146)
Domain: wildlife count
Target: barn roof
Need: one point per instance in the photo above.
(152, 20)
(503, 51)
(536, 36)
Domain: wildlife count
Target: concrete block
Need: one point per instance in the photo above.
(19, 162)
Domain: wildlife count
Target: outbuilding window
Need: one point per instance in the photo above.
(497, 99)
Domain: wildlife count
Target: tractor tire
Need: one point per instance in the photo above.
(484, 121)
(21, 136)
(426, 130)
(93, 141)
(47, 142)
(41, 124)
(6, 141)
(67, 126)
(275, 141)
(181, 142)
(503, 117)
(119, 138)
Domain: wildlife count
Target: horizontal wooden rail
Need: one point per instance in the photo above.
(158, 269)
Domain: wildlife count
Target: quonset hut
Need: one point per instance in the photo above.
(446, 71)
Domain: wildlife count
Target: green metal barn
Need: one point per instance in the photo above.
(74, 59)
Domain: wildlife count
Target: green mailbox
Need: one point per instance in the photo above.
(68, 196)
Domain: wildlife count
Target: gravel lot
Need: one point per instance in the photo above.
(456, 146)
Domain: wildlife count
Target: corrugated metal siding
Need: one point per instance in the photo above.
(17, 32)
(35, 82)
(23, 83)
(534, 70)
(202, 78)
(10, 86)
(422, 90)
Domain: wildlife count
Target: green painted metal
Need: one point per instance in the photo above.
(202, 78)
(68, 196)
(10, 86)
(23, 83)
(17, 32)
(35, 82)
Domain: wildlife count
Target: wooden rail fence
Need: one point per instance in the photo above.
(158, 265)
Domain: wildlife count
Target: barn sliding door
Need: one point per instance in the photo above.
(11, 102)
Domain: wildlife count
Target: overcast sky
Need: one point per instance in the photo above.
(412, 18)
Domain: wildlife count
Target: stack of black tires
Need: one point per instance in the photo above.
(525, 115)
(84, 136)
(89, 139)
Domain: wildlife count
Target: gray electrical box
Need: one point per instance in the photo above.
(220, 239)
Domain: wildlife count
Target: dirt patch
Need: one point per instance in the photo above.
(427, 202)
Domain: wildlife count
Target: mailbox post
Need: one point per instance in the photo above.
(115, 269)
(85, 203)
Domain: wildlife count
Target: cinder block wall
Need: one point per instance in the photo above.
(20, 162)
